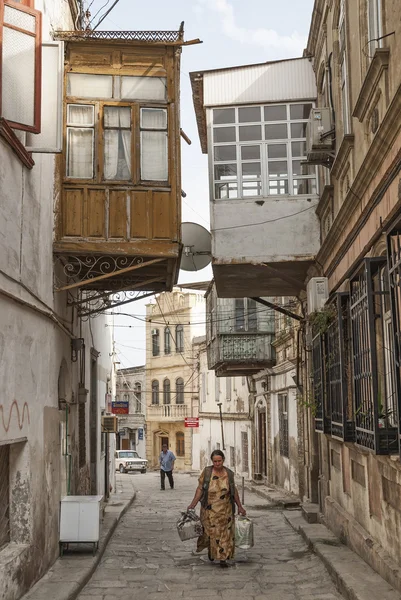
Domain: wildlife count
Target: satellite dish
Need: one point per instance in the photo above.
(197, 250)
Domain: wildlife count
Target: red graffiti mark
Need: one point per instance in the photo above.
(20, 422)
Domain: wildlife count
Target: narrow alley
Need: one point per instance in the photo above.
(145, 558)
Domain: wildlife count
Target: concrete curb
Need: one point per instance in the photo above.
(353, 577)
(276, 496)
(57, 583)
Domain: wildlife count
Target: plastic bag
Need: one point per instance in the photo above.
(243, 533)
(189, 526)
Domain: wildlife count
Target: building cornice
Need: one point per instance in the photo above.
(226, 416)
(378, 64)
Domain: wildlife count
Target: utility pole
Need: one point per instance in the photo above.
(222, 427)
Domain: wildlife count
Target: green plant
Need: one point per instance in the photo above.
(308, 401)
(320, 320)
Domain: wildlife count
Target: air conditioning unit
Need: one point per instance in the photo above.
(109, 424)
(319, 137)
(154, 331)
(317, 291)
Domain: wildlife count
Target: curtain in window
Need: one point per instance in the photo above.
(80, 139)
(117, 143)
(154, 152)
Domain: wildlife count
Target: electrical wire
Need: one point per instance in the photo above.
(264, 222)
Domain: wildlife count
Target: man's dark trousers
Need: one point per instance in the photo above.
(163, 476)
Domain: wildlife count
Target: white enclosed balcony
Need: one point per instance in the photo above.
(252, 122)
(239, 335)
(167, 412)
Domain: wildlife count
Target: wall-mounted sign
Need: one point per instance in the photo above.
(140, 434)
(191, 421)
(120, 408)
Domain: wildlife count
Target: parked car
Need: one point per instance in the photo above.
(129, 460)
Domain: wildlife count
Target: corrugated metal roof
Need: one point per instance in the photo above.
(269, 82)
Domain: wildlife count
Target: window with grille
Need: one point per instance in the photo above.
(180, 443)
(283, 424)
(259, 151)
(155, 342)
(232, 457)
(114, 105)
(166, 392)
(4, 495)
(373, 371)
(155, 392)
(179, 391)
(167, 340)
(179, 338)
(244, 448)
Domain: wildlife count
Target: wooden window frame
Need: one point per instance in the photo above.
(155, 393)
(179, 391)
(35, 128)
(180, 443)
(166, 392)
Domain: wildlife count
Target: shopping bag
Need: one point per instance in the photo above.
(189, 526)
(243, 533)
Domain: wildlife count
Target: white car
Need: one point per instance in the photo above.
(129, 460)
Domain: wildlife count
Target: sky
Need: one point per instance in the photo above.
(233, 32)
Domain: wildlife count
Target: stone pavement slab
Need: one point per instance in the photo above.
(69, 574)
(354, 578)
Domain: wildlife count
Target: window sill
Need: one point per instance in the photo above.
(11, 139)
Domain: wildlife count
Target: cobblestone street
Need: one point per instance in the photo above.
(145, 558)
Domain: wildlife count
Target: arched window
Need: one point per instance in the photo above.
(180, 444)
(179, 391)
(167, 341)
(179, 338)
(166, 391)
(155, 392)
(155, 342)
(138, 397)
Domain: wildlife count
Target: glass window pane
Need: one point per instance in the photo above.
(222, 172)
(154, 118)
(251, 170)
(79, 114)
(248, 133)
(115, 116)
(300, 111)
(80, 153)
(276, 132)
(250, 152)
(226, 190)
(298, 148)
(225, 153)
(277, 151)
(251, 188)
(298, 130)
(278, 187)
(154, 155)
(117, 154)
(298, 169)
(224, 134)
(249, 114)
(276, 113)
(223, 115)
(304, 186)
(143, 88)
(82, 85)
(278, 168)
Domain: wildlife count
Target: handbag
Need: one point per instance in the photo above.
(243, 533)
(189, 525)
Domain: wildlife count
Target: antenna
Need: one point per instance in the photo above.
(197, 250)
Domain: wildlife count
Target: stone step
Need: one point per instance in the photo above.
(310, 512)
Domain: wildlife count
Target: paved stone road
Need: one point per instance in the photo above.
(146, 560)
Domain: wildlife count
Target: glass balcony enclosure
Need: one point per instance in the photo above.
(239, 335)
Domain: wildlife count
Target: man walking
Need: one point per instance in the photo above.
(166, 460)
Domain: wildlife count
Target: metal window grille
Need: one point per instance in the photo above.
(244, 444)
(338, 370)
(318, 379)
(4, 495)
(232, 457)
(283, 424)
(367, 322)
(394, 271)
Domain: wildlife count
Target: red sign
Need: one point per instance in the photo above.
(191, 421)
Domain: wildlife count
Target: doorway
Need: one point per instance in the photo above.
(262, 442)
(164, 440)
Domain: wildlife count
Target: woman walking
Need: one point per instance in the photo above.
(218, 496)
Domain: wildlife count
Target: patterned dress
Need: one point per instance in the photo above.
(217, 519)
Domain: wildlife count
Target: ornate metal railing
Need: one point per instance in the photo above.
(136, 36)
